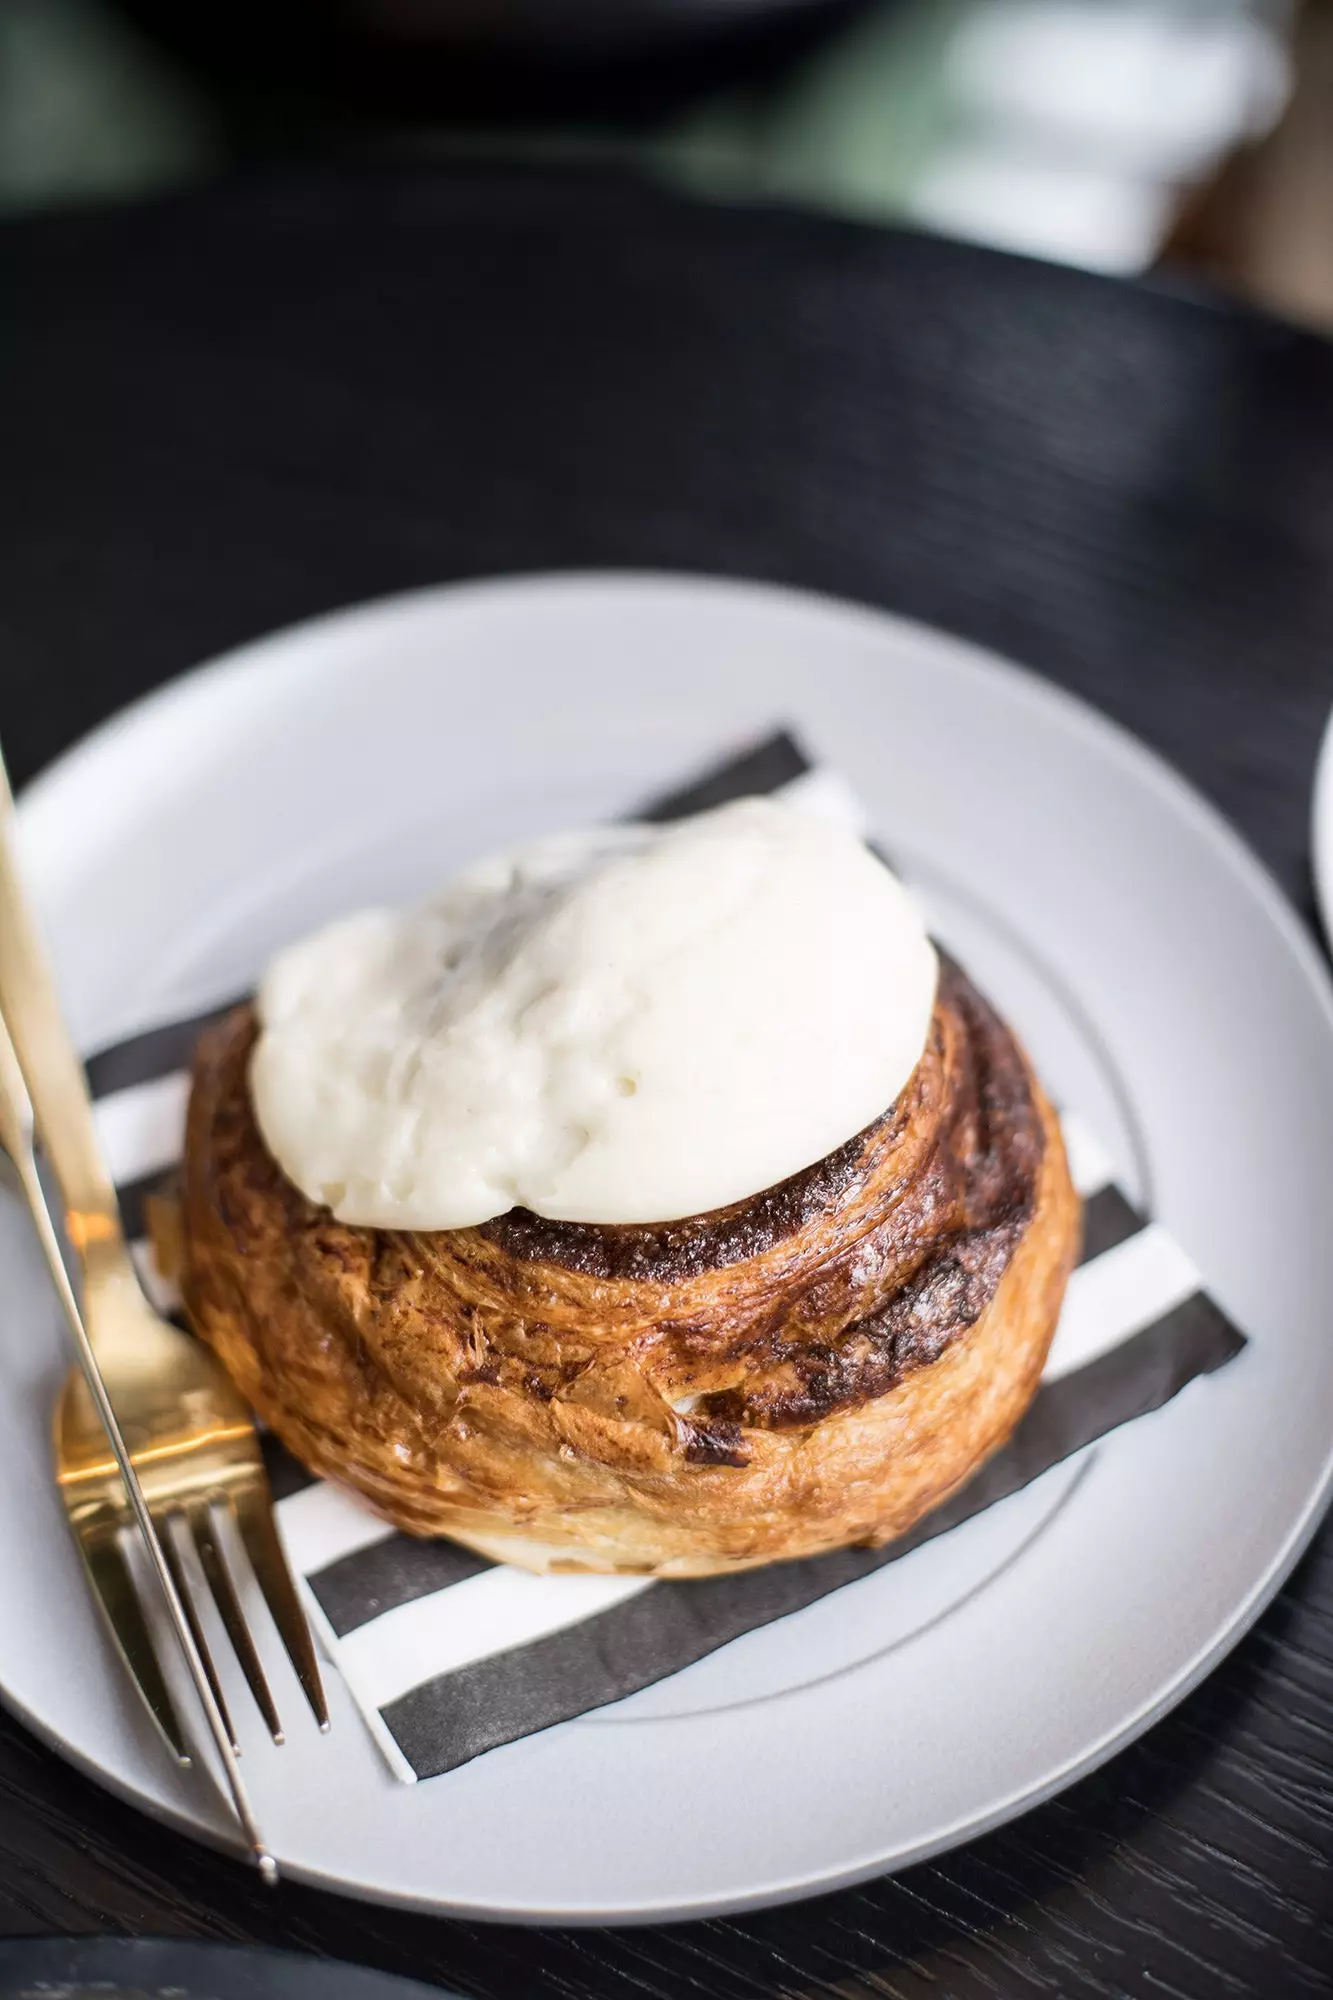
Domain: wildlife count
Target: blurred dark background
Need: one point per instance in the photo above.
(1112, 134)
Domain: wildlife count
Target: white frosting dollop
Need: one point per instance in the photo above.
(629, 1025)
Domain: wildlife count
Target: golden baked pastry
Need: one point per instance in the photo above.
(816, 1366)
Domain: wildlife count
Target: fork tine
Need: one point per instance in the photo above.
(252, 1510)
(167, 1524)
(109, 1573)
(217, 1572)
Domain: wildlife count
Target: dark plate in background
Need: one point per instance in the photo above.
(167, 1969)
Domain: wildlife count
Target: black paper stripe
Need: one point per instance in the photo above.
(396, 1571)
(765, 768)
(133, 1197)
(147, 1057)
(286, 1475)
(1108, 1219)
(457, 1716)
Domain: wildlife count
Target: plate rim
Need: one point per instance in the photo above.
(44, 798)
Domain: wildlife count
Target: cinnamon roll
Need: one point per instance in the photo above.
(816, 1365)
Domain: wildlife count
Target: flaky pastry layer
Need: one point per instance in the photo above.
(819, 1365)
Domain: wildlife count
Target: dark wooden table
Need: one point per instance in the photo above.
(224, 413)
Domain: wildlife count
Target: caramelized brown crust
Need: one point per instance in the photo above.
(815, 1366)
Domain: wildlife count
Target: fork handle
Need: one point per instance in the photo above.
(38, 1045)
(56, 1084)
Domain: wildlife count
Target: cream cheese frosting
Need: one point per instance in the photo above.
(627, 1025)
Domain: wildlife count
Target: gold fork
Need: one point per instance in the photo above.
(102, 1513)
(190, 1436)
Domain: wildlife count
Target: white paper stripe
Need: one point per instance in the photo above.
(162, 1295)
(370, 1715)
(491, 1613)
(825, 794)
(142, 1129)
(321, 1524)
(1090, 1165)
(1118, 1294)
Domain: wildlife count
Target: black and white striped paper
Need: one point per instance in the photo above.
(448, 1655)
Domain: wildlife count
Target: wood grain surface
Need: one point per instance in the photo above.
(226, 412)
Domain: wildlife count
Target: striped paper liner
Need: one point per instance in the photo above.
(448, 1655)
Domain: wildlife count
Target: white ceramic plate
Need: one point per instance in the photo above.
(1166, 991)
